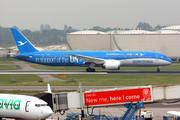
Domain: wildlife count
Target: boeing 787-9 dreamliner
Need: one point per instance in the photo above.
(110, 60)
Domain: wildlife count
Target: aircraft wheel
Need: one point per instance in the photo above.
(90, 70)
(87, 70)
(158, 70)
(93, 70)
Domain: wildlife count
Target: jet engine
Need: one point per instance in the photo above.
(111, 64)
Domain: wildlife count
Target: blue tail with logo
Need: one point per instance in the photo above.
(23, 44)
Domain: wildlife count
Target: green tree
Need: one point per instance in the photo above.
(158, 27)
(144, 26)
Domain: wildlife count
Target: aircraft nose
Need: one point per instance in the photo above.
(47, 112)
(170, 61)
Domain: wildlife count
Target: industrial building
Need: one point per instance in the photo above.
(89, 40)
(166, 40)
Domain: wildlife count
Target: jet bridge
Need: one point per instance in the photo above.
(60, 102)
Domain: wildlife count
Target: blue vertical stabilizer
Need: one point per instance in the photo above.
(23, 44)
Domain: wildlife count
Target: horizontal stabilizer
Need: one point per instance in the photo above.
(23, 56)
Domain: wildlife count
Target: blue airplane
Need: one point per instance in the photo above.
(110, 60)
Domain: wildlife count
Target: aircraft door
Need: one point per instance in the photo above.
(27, 106)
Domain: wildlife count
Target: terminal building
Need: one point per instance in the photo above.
(165, 40)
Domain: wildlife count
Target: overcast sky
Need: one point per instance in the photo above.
(30, 14)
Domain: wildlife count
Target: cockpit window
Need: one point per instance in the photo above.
(165, 56)
(39, 105)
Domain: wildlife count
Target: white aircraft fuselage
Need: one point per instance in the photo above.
(23, 107)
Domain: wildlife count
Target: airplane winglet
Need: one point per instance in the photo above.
(49, 88)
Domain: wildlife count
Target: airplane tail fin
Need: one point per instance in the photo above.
(49, 88)
(23, 44)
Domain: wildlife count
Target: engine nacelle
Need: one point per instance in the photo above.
(111, 65)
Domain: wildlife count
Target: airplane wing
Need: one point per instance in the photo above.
(87, 58)
(174, 113)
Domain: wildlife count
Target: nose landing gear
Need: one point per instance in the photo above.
(158, 69)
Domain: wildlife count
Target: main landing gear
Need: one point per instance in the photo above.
(90, 70)
(158, 69)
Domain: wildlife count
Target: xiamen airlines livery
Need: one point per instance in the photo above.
(110, 60)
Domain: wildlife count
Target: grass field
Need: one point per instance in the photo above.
(8, 61)
(92, 80)
(121, 80)
(6, 80)
(8, 67)
(6, 64)
(164, 68)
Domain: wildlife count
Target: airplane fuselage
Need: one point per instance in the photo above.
(126, 58)
(23, 107)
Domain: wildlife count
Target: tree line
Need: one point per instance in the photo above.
(54, 36)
